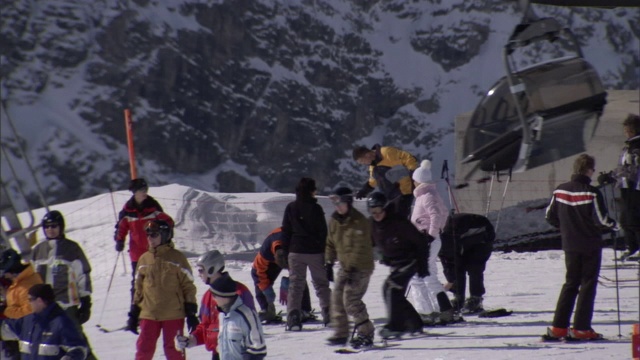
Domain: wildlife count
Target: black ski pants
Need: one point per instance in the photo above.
(402, 316)
(272, 274)
(581, 281)
(472, 262)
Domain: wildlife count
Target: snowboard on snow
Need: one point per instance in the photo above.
(376, 346)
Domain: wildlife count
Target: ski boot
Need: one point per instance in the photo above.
(583, 335)
(294, 321)
(555, 334)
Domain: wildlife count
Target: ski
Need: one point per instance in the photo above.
(378, 346)
(105, 330)
(619, 280)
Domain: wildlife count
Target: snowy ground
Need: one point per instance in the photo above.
(527, 283)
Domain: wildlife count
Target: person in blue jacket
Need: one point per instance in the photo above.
(48, 333)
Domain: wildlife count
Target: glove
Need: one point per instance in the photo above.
(190, 310)
(183, 342)
(132, 323)
(362, 193)
(328, 267)
(84, 312)
(119, 245)
(269, 294)
(606, 178)
(281, 258)
(284, 290)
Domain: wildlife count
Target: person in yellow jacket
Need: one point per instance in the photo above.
(164, 293)
(17, 305)
(390, 171)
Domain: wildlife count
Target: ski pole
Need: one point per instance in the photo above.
(486, 212)
(115, 215)
(615, 261)
(504, 194)
(108, 290)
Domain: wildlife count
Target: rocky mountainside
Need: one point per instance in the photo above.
(249, 95)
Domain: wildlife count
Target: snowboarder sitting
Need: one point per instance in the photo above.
(467, 242)
(403, 248)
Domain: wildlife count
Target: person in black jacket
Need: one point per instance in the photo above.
(628, 176)
(405, 249)
(304, 237)
(467, 242)
(578, 209)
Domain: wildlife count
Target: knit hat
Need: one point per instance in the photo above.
(342, 195)
(10, 262)
(423, 173)
(306, 186)
(137, 184)
(43, 291)
(224, 286)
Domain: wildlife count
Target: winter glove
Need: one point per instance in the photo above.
(606, 178)
(191, 310)
(362, 193)
(269, 294)
(328, 267)
(84, 312)
(281, 259)
(183, 342)
(119, 245)
(132, 323)
(284, 290)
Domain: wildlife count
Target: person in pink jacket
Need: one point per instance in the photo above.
(430, 215)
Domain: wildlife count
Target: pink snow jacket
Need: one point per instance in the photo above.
(429, 212)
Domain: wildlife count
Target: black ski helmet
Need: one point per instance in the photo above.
(164, 228)
(10, 262)
(54, 217)
(342, 194)
(377, 199)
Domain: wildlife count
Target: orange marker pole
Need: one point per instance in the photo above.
(132, 154)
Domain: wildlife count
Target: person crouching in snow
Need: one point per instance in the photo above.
(241, 336)
(429, 216)
(404, 249)
(211, 267)
(162, 270)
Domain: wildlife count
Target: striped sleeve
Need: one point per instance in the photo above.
(254, 337)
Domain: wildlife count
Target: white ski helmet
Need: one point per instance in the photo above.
(212, 262)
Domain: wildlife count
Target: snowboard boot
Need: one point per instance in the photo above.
(269, 314)
(473, 305)
(386, 333)
(361, 341)
(337, 340)
(584, 335)
(308, 316)
(326, 316)
(556, 333)
(431, 319)
(294, 321)
(446, 317)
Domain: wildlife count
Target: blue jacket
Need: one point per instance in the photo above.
(47, 335)
(241, 336)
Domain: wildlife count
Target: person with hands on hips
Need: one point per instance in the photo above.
(162, 270)
(211, 267)
(349, 242)
(405, 250)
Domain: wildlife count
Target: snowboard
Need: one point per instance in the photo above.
(377, 346)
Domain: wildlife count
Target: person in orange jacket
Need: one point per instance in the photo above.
(22, 277)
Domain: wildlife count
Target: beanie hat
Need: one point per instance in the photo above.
(343, 195)
(423, 173)
(224, 286)
(10, 262)
(305, 186)
(43, 291)
(137, 184)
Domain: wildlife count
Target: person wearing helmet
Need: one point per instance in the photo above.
(62, 263)
(304, 237)
(162, 270)
(349, 242)
(22, 277)
(267, 265)
(429, 216)
(135, 213)
(390, 171)
(211, 267)
(404, 249)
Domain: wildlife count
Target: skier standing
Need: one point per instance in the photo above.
(404, 249)
(349, 241)
(429, 216)
(579, 211)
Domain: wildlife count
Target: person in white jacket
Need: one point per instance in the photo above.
(430, 215)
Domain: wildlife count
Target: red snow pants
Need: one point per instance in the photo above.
(149, 333)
